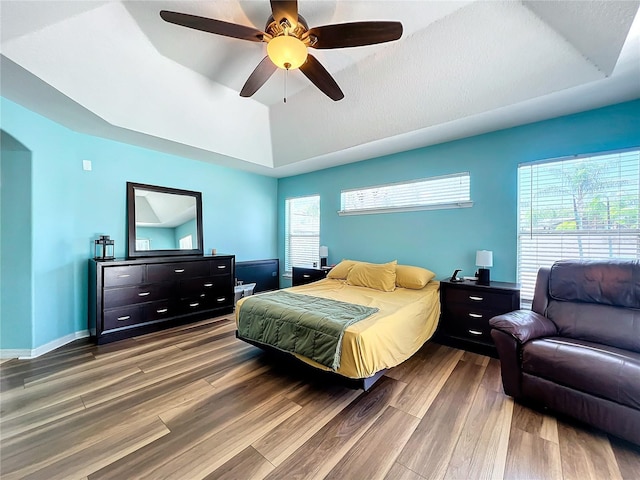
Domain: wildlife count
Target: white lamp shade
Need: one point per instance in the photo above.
(324, 251)
(484, 258)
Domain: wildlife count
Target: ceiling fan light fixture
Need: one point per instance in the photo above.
(287, 52)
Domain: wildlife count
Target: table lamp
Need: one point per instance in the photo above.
(324, 254)
(484, 259)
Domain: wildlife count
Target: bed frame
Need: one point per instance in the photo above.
(356, 383)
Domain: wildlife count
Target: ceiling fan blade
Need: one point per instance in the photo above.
(355, 34)
(213, 26)
(285, 9)
(319, 76)
(258, 77)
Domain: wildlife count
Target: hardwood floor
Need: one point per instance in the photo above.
(194, 402)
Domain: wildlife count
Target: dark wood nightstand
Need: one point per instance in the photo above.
(467, 308)
(304, 275)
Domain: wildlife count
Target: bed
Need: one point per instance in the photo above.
(405, 308)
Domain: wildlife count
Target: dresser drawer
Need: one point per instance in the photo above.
(459, 313)
(123, 317)
(302, 276)
(117, 297)
(205, 301)
(195, 286)
(501, 302)
(220, 266)
(166, 272)
(475, 330)
(121, 276)
(161, 310)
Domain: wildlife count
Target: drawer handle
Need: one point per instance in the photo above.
(179, 270)
(475, 315)
(122, 319)
(208, 284)
(222, 267)
(124, 275)
(306, 276)
(476, 299)
(162, 310)
(475, 332)
(195, 304)
(221, 299)
(143, 294)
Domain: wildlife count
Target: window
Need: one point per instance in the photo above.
(581, 208)
(143, 244)
(186, 243)
(302, 234)
(447, 191)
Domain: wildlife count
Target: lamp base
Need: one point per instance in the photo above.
(323, 261)
(483, 276)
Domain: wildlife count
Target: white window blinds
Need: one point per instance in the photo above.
(448, 191)
(302, 231)
(582, 208)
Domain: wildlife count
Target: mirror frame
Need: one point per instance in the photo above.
(131, 222)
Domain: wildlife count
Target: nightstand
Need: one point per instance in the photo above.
(304, 275)
(467, 308)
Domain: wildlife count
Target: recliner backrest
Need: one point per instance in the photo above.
(596, 300)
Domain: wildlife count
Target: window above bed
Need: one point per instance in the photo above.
(446, 191)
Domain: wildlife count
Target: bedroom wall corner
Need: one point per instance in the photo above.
(443, 240)
(71, 207)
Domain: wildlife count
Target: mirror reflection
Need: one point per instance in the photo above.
(165, 221)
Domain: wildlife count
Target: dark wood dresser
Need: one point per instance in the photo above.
(467, 308)
(132, 297)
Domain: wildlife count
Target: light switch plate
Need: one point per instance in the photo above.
(86, 165)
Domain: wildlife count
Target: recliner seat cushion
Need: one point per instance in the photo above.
(600, 370)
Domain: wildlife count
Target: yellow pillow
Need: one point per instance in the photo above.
(381, 276)
(341, 270)
(408, 276)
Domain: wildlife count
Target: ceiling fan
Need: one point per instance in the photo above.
(288, 36)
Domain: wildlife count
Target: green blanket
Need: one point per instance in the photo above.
(309, 326)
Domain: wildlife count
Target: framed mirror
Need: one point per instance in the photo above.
(163, 221)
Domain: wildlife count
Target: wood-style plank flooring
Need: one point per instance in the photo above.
(194, 402)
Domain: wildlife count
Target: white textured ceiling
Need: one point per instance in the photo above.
(116, 69)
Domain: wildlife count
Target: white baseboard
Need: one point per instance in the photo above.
(25, 353)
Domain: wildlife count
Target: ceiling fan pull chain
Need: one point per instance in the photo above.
(286, 74)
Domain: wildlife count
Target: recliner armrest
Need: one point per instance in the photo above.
(524, 325)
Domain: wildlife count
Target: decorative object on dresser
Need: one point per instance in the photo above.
(304, 275)
(132, 297)
(103, 248)
(484, 259)
(467, 308)
(163, 221)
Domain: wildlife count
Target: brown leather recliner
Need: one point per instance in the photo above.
(577, 351)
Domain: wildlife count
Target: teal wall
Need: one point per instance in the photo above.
(71, 207)
(160, 238)
(443, 240)
(15, 244)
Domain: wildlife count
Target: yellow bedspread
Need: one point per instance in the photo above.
(405, 320)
